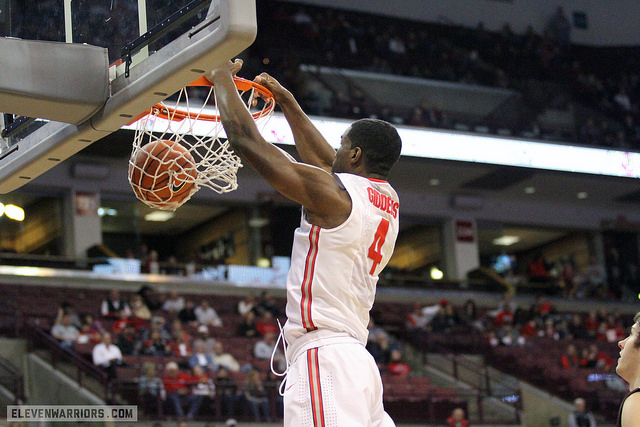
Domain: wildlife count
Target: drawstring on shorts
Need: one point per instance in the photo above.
(286, 359)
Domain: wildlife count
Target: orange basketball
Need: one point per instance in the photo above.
(163, 173)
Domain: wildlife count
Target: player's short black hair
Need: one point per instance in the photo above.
(380, 143)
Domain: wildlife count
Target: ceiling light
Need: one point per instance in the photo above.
(258, 222)
(506, 240)
(436, 273)
(159, 216)
(434, 181)
(1, 209)
(107, 211)
(582, 195)
(14, 212)
(530, 190)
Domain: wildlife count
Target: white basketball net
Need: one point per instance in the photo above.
(200, 133)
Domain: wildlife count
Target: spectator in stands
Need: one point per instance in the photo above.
(188, 315)
(374, 330)
(181, 345)
(128, 341)
(444, 320)
(542, 308)
(264, 348)
(610, 329)
(246, 304)
(207, 315)
(150, 389)
(202, 385)
(227, 391)
(124, 320)
(595, 359)
(570, 359)
(538, 269)
(470, 318)
(247, 327)
(156, 345)
(152, 299)
(577, 330)
(416, 322)
(223, 358)
(592, 323)
(266, 323)
(380, 349)
(107, 356)
(113, 304)
(177, 385)
(174, 303)
(457, 419)
(530, 329)
(509, 336)
(267, 303)
(66, 308)
(256, 397)
(176, 330)
(65, 332)
(580, 416)
(139, 308)
(204, 339)
(94, 324)
(397, 366)
(549, 329)
(89, 332)
(203, 359)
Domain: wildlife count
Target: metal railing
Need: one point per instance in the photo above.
(12, 379)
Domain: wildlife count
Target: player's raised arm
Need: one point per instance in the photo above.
(315, 188)
(311, 145)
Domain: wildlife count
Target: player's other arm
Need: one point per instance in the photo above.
(311, 145)
(312, 187)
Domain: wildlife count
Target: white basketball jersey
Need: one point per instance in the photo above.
(331, 284)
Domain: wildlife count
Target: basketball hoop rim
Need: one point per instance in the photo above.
(243, 85)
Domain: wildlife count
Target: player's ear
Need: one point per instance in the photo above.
(356, 154)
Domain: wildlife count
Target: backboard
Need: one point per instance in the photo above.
(150, 48)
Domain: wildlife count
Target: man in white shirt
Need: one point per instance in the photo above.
(207, 315)
(107, 355)
(222, 358)
(174, 303)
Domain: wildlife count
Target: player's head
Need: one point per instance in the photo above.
(376, 141)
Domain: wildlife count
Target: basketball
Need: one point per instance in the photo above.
(162, 174)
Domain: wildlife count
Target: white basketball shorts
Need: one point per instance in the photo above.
(334, 385)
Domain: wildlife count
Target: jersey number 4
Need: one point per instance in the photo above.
(375, 250)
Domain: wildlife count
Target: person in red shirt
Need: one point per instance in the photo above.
(266, 324)
(182, 346)
(530, 329)
(570, 359)
(397, 366)
(178, 388)
(457, 419)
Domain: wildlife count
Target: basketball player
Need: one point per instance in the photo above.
(347, 234)
(629, 369)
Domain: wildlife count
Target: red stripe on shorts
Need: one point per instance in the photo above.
(315, 387)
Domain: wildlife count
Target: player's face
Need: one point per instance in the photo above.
(629, 360)
(342, 155)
